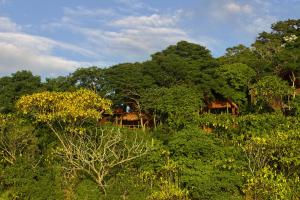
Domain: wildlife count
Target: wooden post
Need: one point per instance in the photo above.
(154, 121)
(116, 120)
(227, 107)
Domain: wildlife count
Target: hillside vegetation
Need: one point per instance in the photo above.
(59, 138)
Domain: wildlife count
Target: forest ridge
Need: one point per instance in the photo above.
(52, 145)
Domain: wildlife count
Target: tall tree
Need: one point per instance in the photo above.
(271, 91)
(14, 86)
(90, 78)
(244, 55)
(177, 106)
(58, 84)
(183, 63)
(126, 81)
(235, 80)
(280, 48)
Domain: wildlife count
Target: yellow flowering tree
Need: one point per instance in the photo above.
(67, 111)
(73, 108)
(95, 152)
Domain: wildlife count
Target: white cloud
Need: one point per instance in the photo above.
(259, 24)
(131, 3)
(134, 37)
(234, 7)
(248, 18)
(154, 20)
(146, 39)
(224, 10)
(132, 44)
(80, 11)
(40, 44)
(14, 58)
(135, 5)
(124, 37)
(6, 25)
(24, 51)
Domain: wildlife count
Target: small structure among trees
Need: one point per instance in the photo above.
(223, 106)
(131, 120)
(126, 118)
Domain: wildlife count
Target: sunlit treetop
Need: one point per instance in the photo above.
(68, 107)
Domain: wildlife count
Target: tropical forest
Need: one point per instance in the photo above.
(182, 125)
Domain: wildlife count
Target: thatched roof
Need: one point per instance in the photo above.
(130, 117)
(133, 116)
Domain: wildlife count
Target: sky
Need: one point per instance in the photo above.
(55, 37)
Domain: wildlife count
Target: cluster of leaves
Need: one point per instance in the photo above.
(271, 90)
(177, 106)
(13, 87)
(235, 79)
(17, 139)
(273, 164)
(209, 169)
(23, 174)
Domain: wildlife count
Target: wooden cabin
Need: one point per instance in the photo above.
(131, 120)
(126, 119)
(226, 106)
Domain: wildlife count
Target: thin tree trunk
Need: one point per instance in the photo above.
(154, 120)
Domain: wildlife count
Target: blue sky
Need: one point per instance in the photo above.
(54, 37)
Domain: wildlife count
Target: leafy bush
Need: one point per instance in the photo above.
(209, 170)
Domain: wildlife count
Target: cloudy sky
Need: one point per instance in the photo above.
(54, 37)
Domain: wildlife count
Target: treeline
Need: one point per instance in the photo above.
(52, 146)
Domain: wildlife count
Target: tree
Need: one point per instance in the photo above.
(17, 139)
(127, 81)
(69, 115)
(183, 63)
(235, 80)
(98, 152)
(72, 109)
(209, 168)
(244, 55)
(273, 164)
(280, 48)
(91, 78)
(58, 84)
(177, 106)
(168, 178)
(271, 91)
(14, 86)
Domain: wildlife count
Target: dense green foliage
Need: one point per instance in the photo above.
(177, 106)
(52, 146)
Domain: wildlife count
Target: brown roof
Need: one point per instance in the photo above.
(130, 117)
(221, 104)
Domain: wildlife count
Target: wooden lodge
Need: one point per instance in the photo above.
(124, 118)
(226, 106)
